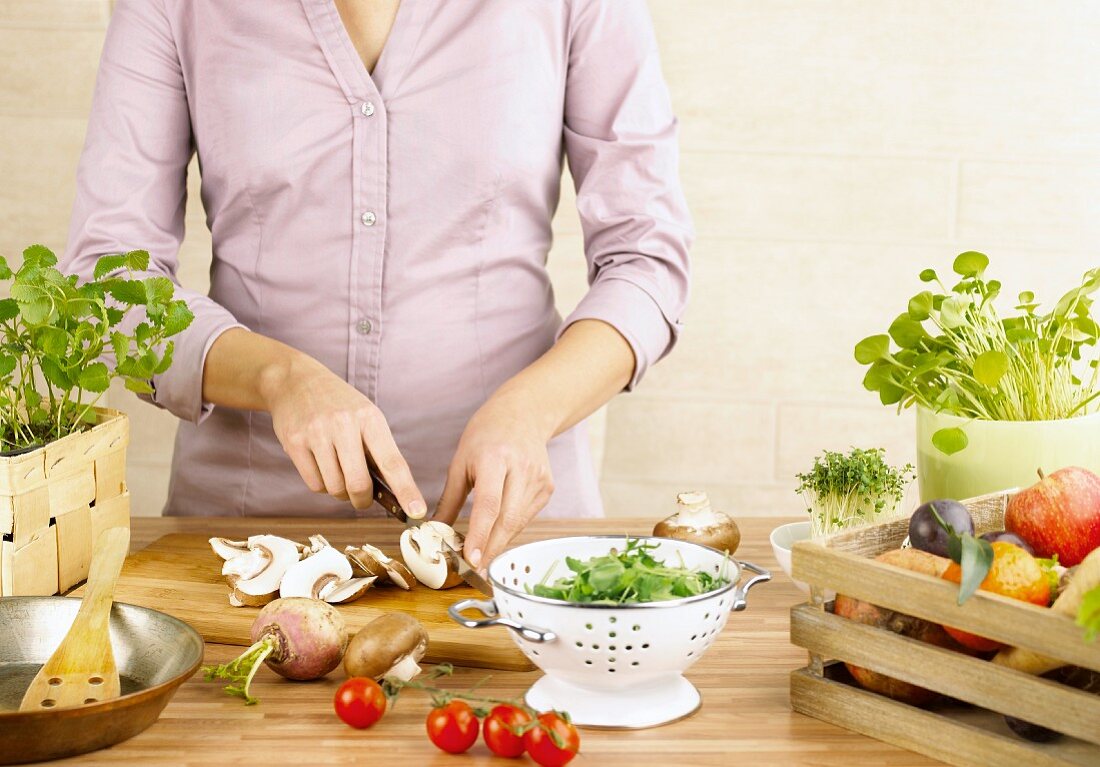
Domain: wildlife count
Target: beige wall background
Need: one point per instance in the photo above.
(831, 150)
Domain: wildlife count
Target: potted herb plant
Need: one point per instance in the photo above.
(62, 458)
(997, 396)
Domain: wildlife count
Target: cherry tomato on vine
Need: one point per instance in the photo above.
(501, 730)
(554, 742)
(360, 702)
(453, 727)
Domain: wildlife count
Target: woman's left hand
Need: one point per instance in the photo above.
(502, 458)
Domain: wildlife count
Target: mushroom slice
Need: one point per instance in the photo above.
(338, 592)
(391, 645)
(227, 549)
(309, 576)
(247, 565)
(697, 522)
(316, 543)
(371, 560)
(422, 550)
(278, 555)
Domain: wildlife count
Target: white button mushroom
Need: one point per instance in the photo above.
(697, 522)
(308, 577)
(422, 550)
(367, 560)
(256, 580)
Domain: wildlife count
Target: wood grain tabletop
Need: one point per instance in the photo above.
(745, 718)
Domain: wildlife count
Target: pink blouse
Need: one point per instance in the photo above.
(393, 225)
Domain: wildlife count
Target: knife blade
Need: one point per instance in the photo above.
(385, 498)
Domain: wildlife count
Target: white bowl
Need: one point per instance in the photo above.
(782, 539)
(614, 666)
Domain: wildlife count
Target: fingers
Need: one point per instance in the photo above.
(522, 501)
(352, 458)
(325, 456)
(376, 434)
(488, 493)
(455, 491)
(303, 461)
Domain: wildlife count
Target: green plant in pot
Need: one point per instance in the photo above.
(54, 331)
(998, 396)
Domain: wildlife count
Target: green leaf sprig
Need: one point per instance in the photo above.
(54, 331)
(1088, 614)
(629, 576)
(973, 555)
(956, 354)
(844, 490)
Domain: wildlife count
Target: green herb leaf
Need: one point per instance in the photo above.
(976, 557)
(107, 264)
(129, 292)
(38, 257)
(178, 317)
(928, 275)
(872, 349)
(844, 490)
(990, 367)
(970, 264)
(907, 333)
(1088, 614)
(920, 306)
(94, 378)
(950, 440)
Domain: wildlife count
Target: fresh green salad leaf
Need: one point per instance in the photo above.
(1088, 614)
(629, 576)
(843, 490)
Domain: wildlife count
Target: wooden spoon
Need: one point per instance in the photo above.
(82, 669)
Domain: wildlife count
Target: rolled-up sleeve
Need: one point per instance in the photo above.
(132, 183)
(620, 142)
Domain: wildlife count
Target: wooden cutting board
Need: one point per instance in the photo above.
(180, 575)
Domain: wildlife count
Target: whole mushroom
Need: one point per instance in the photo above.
(391, 645)
(422, 550)
(697, 522)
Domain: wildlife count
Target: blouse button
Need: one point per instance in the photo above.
(364, 327)
(367, 109)
(369, 218)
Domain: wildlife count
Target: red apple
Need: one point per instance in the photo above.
(1059, 515)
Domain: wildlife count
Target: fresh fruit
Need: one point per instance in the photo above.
(554, 742)
(359, 702)
(899, 623)
(1014, 573)
(1059, 515)
(1007, 537)
(927, 534)
(503, 730)
(452, 727)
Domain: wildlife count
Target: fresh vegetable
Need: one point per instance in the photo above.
(899, 623)
(554, 742)
(928, 534)
(452, 727)
(324, 573)
(53, 333)
(956, 354)
(1013, 573)
(626, 577)
(855, 489)
(1058, 515)
(974, 556)
(695, 521)
(360, 702)
(367, 561)
(255, 572)
(422, 548)
(297, 638)
(503, 730)
(391, 645)
(1006, 537)
(1078, 600)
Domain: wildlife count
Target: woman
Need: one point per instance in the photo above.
(379, 180)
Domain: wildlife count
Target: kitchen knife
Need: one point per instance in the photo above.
(387, 500)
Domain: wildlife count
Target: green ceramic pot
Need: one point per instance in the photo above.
(1001, 454)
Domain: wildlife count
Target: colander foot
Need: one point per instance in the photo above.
(631, 708)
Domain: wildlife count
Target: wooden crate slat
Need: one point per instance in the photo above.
(1007, 620)
(960, 676)
(940, 737)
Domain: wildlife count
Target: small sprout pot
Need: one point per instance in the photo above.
(611, 666)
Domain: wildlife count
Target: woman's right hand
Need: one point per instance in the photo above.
(327, 427)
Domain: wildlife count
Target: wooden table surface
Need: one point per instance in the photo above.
(745, 718)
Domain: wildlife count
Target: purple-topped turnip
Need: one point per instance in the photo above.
(296, 637)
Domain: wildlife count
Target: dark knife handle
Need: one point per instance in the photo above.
(383, 495)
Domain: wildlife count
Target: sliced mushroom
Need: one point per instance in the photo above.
(697, 522)
(338, 592)
(227, 549)
(317, 543)
(371, 560)
(422, 550)
(391, 645)
(262, 584)
(246, 565)
(309, 576)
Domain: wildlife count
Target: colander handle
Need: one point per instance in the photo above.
(488, 608)
(742, 591)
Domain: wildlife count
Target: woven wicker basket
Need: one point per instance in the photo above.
(54, 502)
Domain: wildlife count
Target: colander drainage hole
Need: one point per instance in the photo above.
(611, 634)
(690, 654)
(611, 648)
(588, 663)
(612, 619)
(580, 644)
(611, 671)
(645, 646)
(595, 647)
(610, 660)
(706, 616)
(588, 626)
(636, 627)
(635, 663)
(629, 648)
(694, 637)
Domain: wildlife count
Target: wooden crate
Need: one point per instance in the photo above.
(951, 732)
(55, 501)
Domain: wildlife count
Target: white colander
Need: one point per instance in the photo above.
(616, 666)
